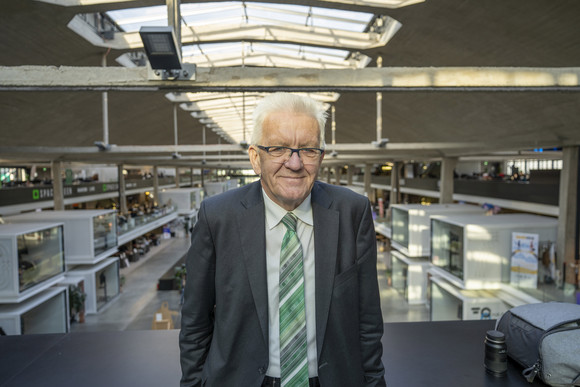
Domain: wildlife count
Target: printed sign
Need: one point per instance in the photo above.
(524, 260)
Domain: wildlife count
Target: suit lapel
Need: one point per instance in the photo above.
(325, 247)
(251, 225)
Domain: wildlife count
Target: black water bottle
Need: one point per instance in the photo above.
(495, 353)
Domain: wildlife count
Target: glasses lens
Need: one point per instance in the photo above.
(278, 151)
(282, 154)
(310, 153)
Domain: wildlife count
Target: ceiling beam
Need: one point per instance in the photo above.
(33, 78)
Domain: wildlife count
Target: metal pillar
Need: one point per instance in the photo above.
(174, 20)
(379, 107)
(105, 98)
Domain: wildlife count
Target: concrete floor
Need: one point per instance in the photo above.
(136, 306)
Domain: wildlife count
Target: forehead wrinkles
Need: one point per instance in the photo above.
(289, 128)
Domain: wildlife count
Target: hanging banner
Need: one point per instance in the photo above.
(524, 260)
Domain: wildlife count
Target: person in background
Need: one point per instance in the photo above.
(282, 281)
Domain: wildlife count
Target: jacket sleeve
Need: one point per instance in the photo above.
(370, 315)
(197, 315)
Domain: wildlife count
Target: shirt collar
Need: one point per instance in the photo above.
(275, 213)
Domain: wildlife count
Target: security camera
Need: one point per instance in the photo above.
(380, 144)
(175, 156)
(244, 144)
(334, 154)
(102, 146)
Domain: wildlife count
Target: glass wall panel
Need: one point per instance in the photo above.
(105, 232)
(400, 226)
(107, 284)
(48, 317)
(40, 256)
(447, 247)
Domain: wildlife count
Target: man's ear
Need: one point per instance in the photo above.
(255, 159)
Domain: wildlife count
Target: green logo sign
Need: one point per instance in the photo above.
(104, 188)
(35, 194)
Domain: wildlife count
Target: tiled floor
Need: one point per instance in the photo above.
(136, 306)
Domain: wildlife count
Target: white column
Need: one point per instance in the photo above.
(567, 247)
(349, 174)
(394, 197)
(446, 181)
(337, 174)
(122, 194)
(57, 185)
(367, 181)
(156, 186)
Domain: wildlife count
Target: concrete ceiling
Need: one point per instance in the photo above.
(440, 33)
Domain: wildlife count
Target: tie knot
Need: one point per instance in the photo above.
(290, 221)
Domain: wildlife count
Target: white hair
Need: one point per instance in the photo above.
(286, 102)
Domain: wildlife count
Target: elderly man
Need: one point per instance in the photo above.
(282, 283)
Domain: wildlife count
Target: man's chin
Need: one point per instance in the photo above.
(293, 199)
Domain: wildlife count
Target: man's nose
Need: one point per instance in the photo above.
(294, 162)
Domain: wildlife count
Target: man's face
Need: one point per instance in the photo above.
(287, 183)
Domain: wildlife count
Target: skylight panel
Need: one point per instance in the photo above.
(198, 14)
(130, 20)
(269, 55)
(308, 16)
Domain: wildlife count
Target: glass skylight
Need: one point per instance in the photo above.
(203, 14)
(230, 114)
(236, 34)
(270, 55)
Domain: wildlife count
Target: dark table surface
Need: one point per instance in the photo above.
(415, 355)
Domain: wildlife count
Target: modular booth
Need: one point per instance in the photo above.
(187, 201)
(448, 302)
(487, 251)
(101, 283)
(89, 235)
(409, 277)
(45, 312)
(410, 225)
(32, 258)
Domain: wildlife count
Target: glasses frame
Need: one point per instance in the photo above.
(292, 151)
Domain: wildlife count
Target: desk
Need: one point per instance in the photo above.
(434, 354)
(442, 354)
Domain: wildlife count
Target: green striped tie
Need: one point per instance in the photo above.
(293, 359)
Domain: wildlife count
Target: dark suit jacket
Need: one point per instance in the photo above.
(224, 326)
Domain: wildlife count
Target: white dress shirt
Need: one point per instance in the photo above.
(275, 231)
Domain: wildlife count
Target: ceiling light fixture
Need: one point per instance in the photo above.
(164, 56)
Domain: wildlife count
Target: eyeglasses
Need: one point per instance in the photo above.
(284, 153)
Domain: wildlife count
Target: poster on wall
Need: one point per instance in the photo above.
(524, 260)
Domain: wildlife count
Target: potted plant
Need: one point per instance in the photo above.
(77, 303)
